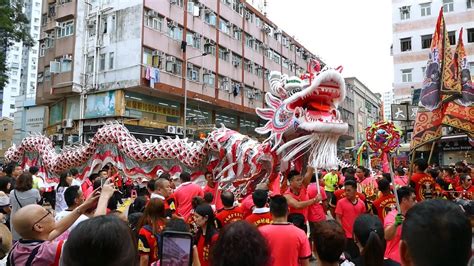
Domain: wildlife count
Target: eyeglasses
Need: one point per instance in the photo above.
(468, 180)
(41, 219)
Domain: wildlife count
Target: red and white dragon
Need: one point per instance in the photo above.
(302, 118)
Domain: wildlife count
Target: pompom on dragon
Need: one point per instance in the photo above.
(303, 124)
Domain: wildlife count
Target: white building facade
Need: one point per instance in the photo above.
(413, 25)
(387, 99)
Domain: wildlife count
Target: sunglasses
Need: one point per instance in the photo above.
(41, 219)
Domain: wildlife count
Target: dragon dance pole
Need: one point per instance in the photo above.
(431, 151)
(390, 164)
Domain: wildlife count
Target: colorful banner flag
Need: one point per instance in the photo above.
(427, 127)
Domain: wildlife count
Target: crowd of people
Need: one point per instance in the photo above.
(348, 216)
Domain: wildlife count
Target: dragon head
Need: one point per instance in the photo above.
(302, 109)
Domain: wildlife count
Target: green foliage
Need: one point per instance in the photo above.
(13, 28)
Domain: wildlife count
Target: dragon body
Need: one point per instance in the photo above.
(302, 119)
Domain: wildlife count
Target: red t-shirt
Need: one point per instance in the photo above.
(302, 196)
(392, 250)
(184, 195)
(401, 181)
(259, 219)
(217, 195)
(147, 242)
(340, 194)
(384, 205)
(227, 216)
(425, 186)
(348, 212)
(466, 193)
(316, 211)
(247, 205)
(204, 249)
(287, 244)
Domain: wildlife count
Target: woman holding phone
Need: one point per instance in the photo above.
(150, 226)
(207, 234)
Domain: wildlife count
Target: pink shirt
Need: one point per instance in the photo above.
(316, 211)
(348, 212)
(287, 244)
(87, 188)
(247, 205)
(368, 186)
(401, 181)
(302, 196)
(392, 250)
(217, 195)
(49, 252)
(184, 195)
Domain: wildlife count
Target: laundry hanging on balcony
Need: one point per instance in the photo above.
(153, 75)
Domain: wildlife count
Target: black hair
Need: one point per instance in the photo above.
(370, 233)
(185, 177)
(384, 185)
(111, 236)
(9, 168)
(74, 171)
(230, 250)
(93, 176)
(400, 171)
(260, 198)
(33, 170)
(70, 195)
(434, 173)
(206, 210)
(405, 192)
(227, 198)
(196, 201)
(422, 165)
(437, 232)
(278, 206)
(387, 177)
(367, 172)
(151, 185)
(329, 240)
(449, 170)
(208, 197)
(97, 183)
(350, 171)
(103, 170)
(165, 176)
(298, 220)
(138, 205)
(292, 174)
(177, 225)
(351, 183)
(463, 177)
(4, 181)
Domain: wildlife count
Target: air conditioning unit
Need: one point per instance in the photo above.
(235, 63)
(172, 24)
(190, 65)
(179, 130)
(405, 9)
(278, 31)
(196, 35)
(225, 80)
(67, 123)
(57, 24)
(171, 59)
(157, 53)
(57, 137)
(189, 131)
(207, 72)
(152, 13)
(91, 23)
(173, 2)
(170, 129)
(248, 15)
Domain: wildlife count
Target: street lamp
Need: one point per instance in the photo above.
(186, 90)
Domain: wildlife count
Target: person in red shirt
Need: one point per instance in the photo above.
(450, 179)
(289, 245)
(392, 224)
(87, 185)
(401, 179)
(230, 213)
(213, 188)
(184, 195)
(425, 186)
(340, 194)
(163, 191)
(466, 188)
(297, 196)
(151, 224)
(347, 210)
(247, 204)
(207, 234)
(385, 203)
(261, 214)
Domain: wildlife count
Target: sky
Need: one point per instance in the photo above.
(356, 34)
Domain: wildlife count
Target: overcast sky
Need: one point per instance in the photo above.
(354, 34)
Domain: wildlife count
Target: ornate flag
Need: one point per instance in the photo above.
(460, 113)
(427, 127)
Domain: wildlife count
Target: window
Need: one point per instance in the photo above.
(224, 26)
(470, 35)
(89, 64)
(153, 20)
(111, 60)
(173, 65)
(12, 106)
(425, 41)
(452, 37)
(237, 33)
(405, 44)
(406, 75)
(249, 40)
(276, 58)
(248, 65)
(423, 70)
(102, 62)
(470, 4)
(40, 77)
(405, 12)
(236, 60)
(193, 72)
(448, 6)
(47, 73)
(210, 18)
(471, 67)
(66, 65)
(175, 32)
(425, 9)
(224, 53)
(65, 29)
(209, 47)
(209, 77)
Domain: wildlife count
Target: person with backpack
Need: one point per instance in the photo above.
(150, 226)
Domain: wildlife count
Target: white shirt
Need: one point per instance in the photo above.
(59, 216)
(156, 196)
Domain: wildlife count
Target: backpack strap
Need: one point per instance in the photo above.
(10, 255)
(32, 255)
(14, 193)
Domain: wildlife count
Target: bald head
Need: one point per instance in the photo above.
(26, 222)
(162, 186)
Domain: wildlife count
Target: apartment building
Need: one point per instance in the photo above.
(6, 129)
(413, 25)
(387, 103)
(134, 61)
(22, 63)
